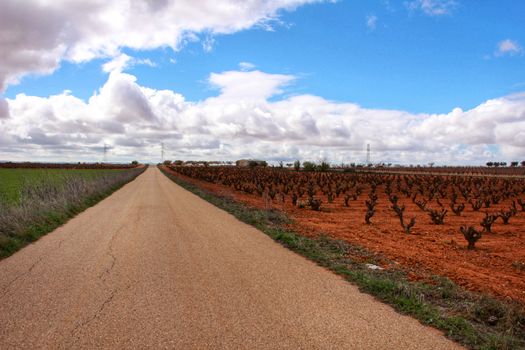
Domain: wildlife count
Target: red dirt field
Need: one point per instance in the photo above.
(496, 266)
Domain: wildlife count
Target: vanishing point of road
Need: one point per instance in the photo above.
(155, 267)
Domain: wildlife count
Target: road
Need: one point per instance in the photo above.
(154, 266)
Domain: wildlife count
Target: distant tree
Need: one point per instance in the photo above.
(309, 166)
(514, 164)
(281, 164)
(297, 165)
(522, 163)
(489, 164)
(178, 162)
(135, 162)
(167, 162)
(324, 166)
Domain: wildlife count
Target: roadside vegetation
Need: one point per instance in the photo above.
(474, 320)
(13, 182)
(34, 202)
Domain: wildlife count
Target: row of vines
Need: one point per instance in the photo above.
(486, 201)
(455, 170)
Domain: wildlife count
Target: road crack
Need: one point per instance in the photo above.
(103, 277)
(96, 315)
(5, 290)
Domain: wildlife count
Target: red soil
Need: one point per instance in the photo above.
(496, 266)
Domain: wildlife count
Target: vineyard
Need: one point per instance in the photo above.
(468, 228)
(511, 171)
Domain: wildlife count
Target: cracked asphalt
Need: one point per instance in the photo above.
(154, 266)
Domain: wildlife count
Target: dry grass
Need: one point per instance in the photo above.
(45, 205)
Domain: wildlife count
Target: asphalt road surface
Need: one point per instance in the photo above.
(154, 266)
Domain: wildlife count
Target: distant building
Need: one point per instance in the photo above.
(250, 162)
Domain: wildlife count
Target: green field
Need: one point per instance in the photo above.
(12, 181)
(34, 202)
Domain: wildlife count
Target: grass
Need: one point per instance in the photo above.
(12, 181)
(34, 202)
(465, 317)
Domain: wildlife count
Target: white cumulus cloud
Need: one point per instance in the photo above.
(37, 35)
(249, 85)
(122, 62)
(4, 108)
(247, 118)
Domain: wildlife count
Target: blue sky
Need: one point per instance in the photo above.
(286, 79)
(409, 60)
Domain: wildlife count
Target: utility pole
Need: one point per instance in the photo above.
(162, 152)
(368, 154)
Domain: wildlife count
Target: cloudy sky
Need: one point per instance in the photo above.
(420, 80)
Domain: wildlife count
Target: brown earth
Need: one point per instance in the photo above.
(154, 266)
(496, 266)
